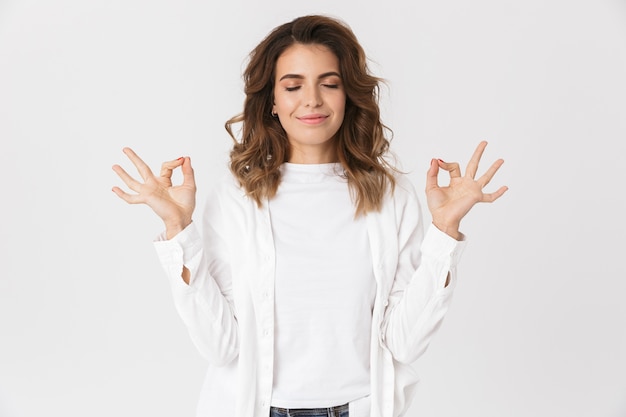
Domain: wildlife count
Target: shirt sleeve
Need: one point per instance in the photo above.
(205, 305)
(419, 297)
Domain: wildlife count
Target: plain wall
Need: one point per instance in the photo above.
(538, 323)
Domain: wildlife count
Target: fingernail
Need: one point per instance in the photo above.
(182, 157)
(441, 160)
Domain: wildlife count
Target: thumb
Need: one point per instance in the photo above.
(431, 175)
(188, 175)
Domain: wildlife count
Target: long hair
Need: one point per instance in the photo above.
(362, 146)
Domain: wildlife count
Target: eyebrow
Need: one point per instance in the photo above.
(301, 77)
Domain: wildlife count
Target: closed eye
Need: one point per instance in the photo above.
(292, 88)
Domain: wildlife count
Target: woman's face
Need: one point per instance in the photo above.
(310, 102)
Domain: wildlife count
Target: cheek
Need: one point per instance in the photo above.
(283, 103)
(339, 101)
(340, 106)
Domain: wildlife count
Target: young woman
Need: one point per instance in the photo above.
(312, 287)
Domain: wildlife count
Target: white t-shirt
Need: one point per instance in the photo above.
(324, 290)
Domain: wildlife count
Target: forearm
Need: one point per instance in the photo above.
(199, 300)
(418, 304)
(410, 325)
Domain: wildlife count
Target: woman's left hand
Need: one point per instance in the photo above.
(448, 205)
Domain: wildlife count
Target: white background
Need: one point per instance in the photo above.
(538, 323)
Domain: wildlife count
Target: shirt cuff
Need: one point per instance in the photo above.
(444, 252)
(188, 242)
(181, 250)
(442, 246)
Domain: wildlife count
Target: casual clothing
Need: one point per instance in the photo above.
(324, 290)
(228, 307)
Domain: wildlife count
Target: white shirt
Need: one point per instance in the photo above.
(324, 290)
(228, 307)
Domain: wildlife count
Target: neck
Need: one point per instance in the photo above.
(313, 156)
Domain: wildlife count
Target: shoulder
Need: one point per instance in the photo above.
(403, 192)
(226, 197)
(226, 185)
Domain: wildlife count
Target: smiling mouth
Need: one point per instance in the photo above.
(313, 118)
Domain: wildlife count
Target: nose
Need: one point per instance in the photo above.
(313, 97)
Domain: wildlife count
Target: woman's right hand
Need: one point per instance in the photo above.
(173, 204)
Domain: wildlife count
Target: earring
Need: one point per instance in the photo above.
(273, 113)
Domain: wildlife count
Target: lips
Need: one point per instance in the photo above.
(313, 118)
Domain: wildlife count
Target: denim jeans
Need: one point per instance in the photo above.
(339, 411)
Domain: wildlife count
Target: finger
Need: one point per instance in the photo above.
(472, 165)
(452, 167)
(129, 198)
(491, 197)
(431, 175)
(132, 183)
(143, 168)
(487, 176)
(169, 166)
(188, 175)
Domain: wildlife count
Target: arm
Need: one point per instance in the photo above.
(426, 271)
(204, 304)
(196, 267)
(423, 284)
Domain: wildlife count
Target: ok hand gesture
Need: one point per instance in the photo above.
(448, 205)
(174, 204)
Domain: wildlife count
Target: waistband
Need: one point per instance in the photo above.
(323, 411)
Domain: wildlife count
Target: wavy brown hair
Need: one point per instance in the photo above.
(362, 147)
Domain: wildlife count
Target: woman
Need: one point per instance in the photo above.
(312, 288)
